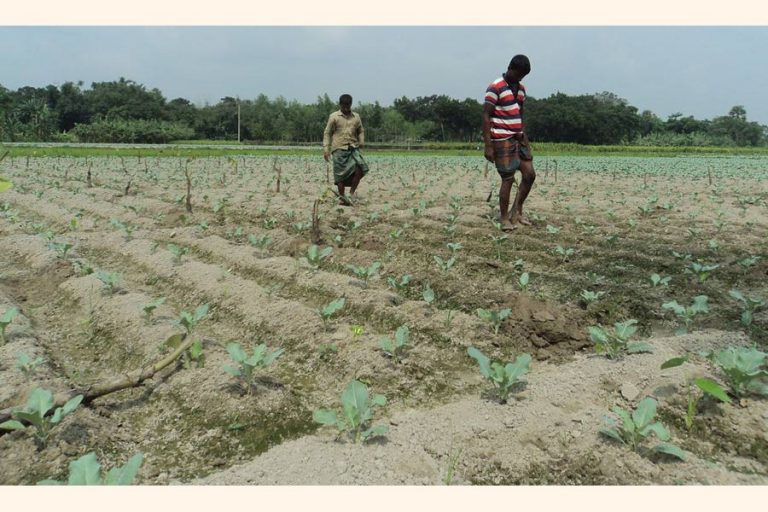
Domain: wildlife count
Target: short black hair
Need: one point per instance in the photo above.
(520, 63)
(345, 99)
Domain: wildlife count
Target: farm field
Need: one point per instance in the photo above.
(90, 245)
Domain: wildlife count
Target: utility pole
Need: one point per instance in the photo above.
(238, 120)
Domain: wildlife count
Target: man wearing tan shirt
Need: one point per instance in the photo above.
(343, 137)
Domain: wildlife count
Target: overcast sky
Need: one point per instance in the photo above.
(698, 71)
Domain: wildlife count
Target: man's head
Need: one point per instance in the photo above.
(518, 67)
(345, 103)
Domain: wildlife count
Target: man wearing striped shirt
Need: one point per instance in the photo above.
(505, 141)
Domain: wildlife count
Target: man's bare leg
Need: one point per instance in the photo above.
(526, 182)
(504, 189)
(344, 200)
(356, 180)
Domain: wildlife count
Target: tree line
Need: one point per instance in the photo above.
(126, 111)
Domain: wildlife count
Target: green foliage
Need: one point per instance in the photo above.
(563, 252)
(657, 280)
(86, 471)
(616, 343)
(706, 386)
(637, 426)
(589, 296)
(39, 403)
(428, 295)
(5, 321)
(261, 242)
(395, 349)
(125, 228)
(503, 376)
(750, 305)
(400, 284)
(110, 280)
(357, 413)
(177, 252)
(316, 256)
(523, 280)
(190, 321)
(148, 309)
(744, 369)
(688, 313)
(259, 359)
(27, 366)
(494, 316)
(330, 309)
(131, 131)
(444, 265)
(701, 271)
(62, 248)
(365, 273)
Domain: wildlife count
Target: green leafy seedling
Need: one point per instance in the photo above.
(701, 271)
(750, 304)
(330, 309)
(5, 321)
(87, 471)
(189, 321)
(27, 366)
(400, 284)
(523, 281)
(150, 308)
(688, 313)
(493, 316)
(316, 256)
(636, 426)
(615, 343)
(589, 296)
(744, 369)
(395, 349)
(428, 295)
(261, 242)
(259, 359)
(706, 386)
(444, 265)
(110, 280)
(503, 376)
(357, 413)
(365, 273)
(657, 280)
(177, 252)
(40, 402)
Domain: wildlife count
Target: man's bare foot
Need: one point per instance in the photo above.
(519, 219)
(344, 201)
(507, 226)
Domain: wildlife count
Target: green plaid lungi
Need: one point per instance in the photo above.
(345, 161)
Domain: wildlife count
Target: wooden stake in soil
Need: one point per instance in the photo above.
(328, 173)
(188, 204)
(279, 172)
(485, 173)
(128, 188)
(314, 233)
(88, 181)
(709, 172)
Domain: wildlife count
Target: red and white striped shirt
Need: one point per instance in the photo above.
(506, 119)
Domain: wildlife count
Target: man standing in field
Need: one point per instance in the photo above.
(506, 144)
(343, 137)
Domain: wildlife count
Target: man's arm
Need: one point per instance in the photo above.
(360, 133)
(327, 138)
(488, 109)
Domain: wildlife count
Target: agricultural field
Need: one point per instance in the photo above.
(212, 311)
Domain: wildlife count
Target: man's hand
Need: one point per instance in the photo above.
(489, 152)
(326, 155)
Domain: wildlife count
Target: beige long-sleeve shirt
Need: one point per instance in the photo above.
(343, 131)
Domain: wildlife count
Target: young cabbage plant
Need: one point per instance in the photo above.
(125, 228)
(259, 359)
(745, 369)
(189, 321)
(39, 403)
(395, 349)
(400, 284)
(657, 280)
(316, 256)
(87, 471)
(503, 376)
(704, 385)
(687, 313)
(330, 309)
(565, 253)
(444, 265)
(365, 273)
(493, 316)
(636, 426)
(428, 295)
(261, 242)
(523, 281)
(498, 241)
(5, 321)
(589, 296)
(148, 309)
(357, 413)
(616, 343)
(750, 304)
(110, 280)
(177, 252)
(701, 271)
(62, 248)
(27, 366)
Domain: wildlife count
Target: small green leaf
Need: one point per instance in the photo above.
(71, 405)
(324, 417)
(613, 434)
(670, 449)
(379, 400)
(637, 348)
(645, 412)
(482, 360)
(712, 388)
(674, 362)
(85, 470)
(124, 475)
(12, 425)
